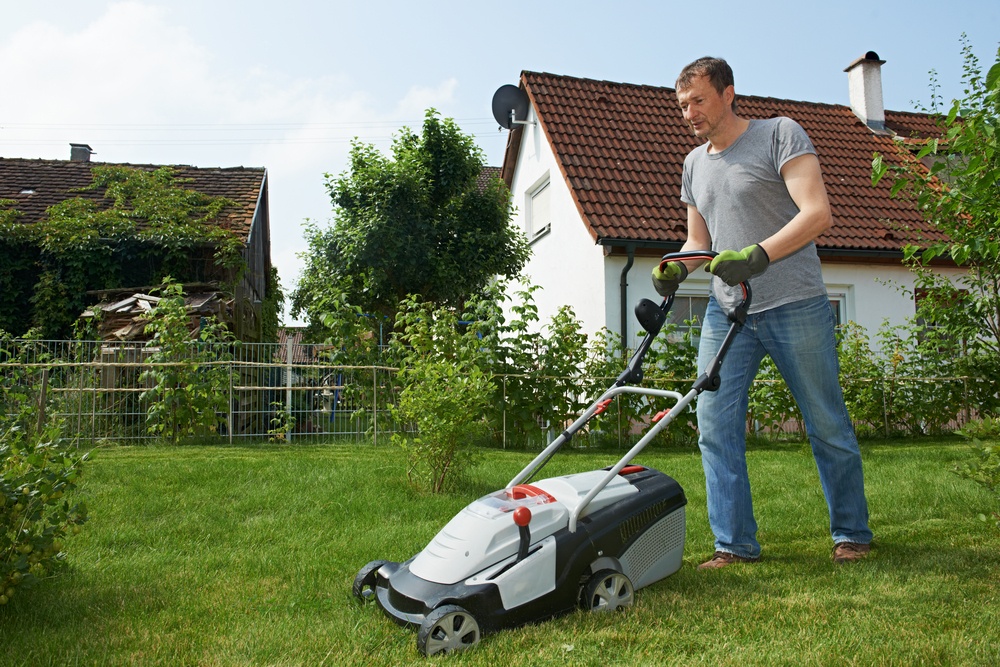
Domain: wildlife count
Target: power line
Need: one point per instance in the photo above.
(229, 127)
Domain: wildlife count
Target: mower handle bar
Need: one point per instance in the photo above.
(707, 256)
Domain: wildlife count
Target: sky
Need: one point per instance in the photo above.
(288, 85)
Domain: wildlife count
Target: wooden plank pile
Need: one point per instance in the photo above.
(122, 315)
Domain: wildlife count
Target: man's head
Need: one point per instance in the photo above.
(716, 70)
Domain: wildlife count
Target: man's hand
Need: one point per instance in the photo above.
(666, 281)
(735, 267)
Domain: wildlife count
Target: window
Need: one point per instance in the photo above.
(838, 302)
(687, 313)
(538, 220)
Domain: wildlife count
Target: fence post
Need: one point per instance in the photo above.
(41, 398)
(229, 411)
(375, 405)
(503, 420)
(885, 406)
(288, 383)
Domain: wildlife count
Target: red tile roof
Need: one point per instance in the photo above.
(34, 185)
(621, 149)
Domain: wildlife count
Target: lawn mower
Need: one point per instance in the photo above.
(534, 550)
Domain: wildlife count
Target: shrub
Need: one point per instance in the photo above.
(38, 470)
(983, 468)
(444, 394)
(187, 391)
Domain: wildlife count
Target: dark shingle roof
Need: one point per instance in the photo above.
(621, 149)
(487, 175)
(35, 185)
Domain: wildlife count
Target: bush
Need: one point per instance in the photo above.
(38, 470)
(444, 395)
(984, 466)
(187, 391)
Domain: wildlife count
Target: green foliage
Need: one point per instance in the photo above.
(153, 228)
(960, 194)
(272, 308)
(444, 395)
(187, 390)
(415, 223)
(282, 423)
(923, 392)
(38, 471)
(772, 408)
(983, 467)
(861, 380)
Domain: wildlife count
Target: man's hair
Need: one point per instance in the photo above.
(718, 71)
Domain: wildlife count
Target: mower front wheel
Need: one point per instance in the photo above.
(364, 582)
(448, 629)
(607, 590)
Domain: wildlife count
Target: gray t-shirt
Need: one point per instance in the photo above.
(743, 199)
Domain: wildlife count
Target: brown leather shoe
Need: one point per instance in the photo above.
(724, 558)
(849, 552)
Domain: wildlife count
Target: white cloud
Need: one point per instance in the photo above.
(420, 98)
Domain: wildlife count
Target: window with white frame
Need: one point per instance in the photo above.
(838, 302)
(538, 218)
(687, 314)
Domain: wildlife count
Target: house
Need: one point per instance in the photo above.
(30, 186)
(594, 169)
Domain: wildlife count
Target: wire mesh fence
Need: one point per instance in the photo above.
(101, 390)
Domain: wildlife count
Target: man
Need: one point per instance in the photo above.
(754, 194)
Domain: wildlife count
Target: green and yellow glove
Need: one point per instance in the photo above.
(735, 267)
(666, 281)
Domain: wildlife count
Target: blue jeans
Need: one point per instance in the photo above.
(800, 339)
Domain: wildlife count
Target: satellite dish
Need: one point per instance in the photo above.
(510, 106)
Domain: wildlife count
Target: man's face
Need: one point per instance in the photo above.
(704, 108)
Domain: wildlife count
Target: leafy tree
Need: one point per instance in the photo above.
(417, 222)
(960, 194)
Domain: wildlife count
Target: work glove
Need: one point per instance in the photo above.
(666, 281)
(734, 267)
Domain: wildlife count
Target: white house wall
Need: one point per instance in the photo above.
(565, 261)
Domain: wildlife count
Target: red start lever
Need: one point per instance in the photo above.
(522, 517)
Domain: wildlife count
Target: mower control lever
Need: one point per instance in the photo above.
(522, 517)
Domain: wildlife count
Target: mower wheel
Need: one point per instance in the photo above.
(447, 629)
(607, 590)
(364, 582)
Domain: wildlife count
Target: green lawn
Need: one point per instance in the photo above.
(245, 556)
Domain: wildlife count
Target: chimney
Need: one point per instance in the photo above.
(864, 78)
(80, 152)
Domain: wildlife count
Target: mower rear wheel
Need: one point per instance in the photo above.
(364, 582)
(448, 629)
(607, 590)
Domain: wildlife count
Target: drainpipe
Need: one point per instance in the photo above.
(623, 288)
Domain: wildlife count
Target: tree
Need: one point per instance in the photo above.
(414, 223)
(960, 194)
